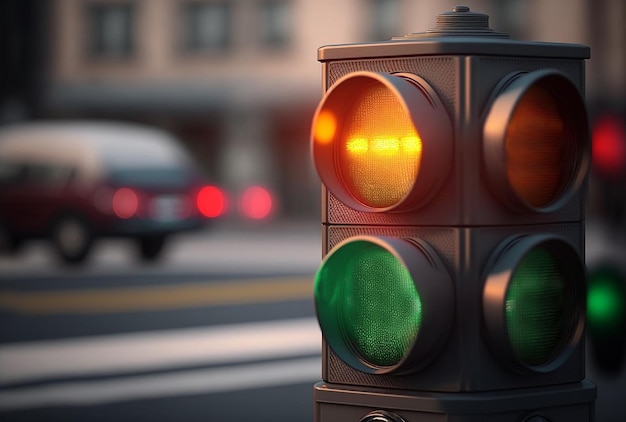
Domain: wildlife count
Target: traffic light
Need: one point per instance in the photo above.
(606, 310)
(609, 147)
(453, 287)
(609, 168)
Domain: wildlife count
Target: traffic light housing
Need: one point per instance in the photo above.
(454, 167)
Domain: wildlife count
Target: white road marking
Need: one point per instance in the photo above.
(119, 353)
(165, 385)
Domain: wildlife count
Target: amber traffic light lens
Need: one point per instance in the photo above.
(539, 154)
(379, 148)
(536, 141)
(382, 142)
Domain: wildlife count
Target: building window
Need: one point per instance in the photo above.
(111, 29)
(207, 26)
(384, 19)
(275, 23)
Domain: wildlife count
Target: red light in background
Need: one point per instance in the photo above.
(125, 203)
(256, 203)
(211, 202)
(609, 146)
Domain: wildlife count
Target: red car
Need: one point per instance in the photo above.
(73, 183)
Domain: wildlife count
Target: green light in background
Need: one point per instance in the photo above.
(606, 302)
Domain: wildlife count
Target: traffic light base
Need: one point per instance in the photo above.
(567, 402)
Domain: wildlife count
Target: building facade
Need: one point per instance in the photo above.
(238, 80)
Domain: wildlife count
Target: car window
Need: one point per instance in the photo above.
(49, 174)
(14, 173)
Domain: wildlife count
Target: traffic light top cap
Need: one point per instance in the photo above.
(460, 32)
(460, 22)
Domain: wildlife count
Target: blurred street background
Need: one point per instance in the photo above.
(222, 326)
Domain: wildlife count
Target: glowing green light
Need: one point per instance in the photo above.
(606, 302)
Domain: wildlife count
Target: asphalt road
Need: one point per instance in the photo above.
(220, 330)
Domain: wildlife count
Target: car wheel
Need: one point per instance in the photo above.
(72, 238)
(151, 247)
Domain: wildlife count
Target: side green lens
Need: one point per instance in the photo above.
(536, 308)
(373, 297)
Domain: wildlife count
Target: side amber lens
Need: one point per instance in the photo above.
(536, 143)
(379, 148)
(539, 153)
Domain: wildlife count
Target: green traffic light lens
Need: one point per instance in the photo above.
(534, 301)
(368, 303)
(536, 307)
(606, 302)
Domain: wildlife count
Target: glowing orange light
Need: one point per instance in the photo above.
(412, 145)
(325, 127)
(357, 145)
(387, 146)
(381, 142)
(379, 148)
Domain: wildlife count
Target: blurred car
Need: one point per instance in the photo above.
(75, 182)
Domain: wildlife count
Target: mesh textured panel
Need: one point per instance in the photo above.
(439, 72)
(340, 213)
(442, 239)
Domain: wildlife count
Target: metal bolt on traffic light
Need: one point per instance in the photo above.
(453, 288)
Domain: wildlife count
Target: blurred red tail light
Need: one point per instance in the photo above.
(609, 146)
(211, 202)
(256, 203)
(125, 203)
